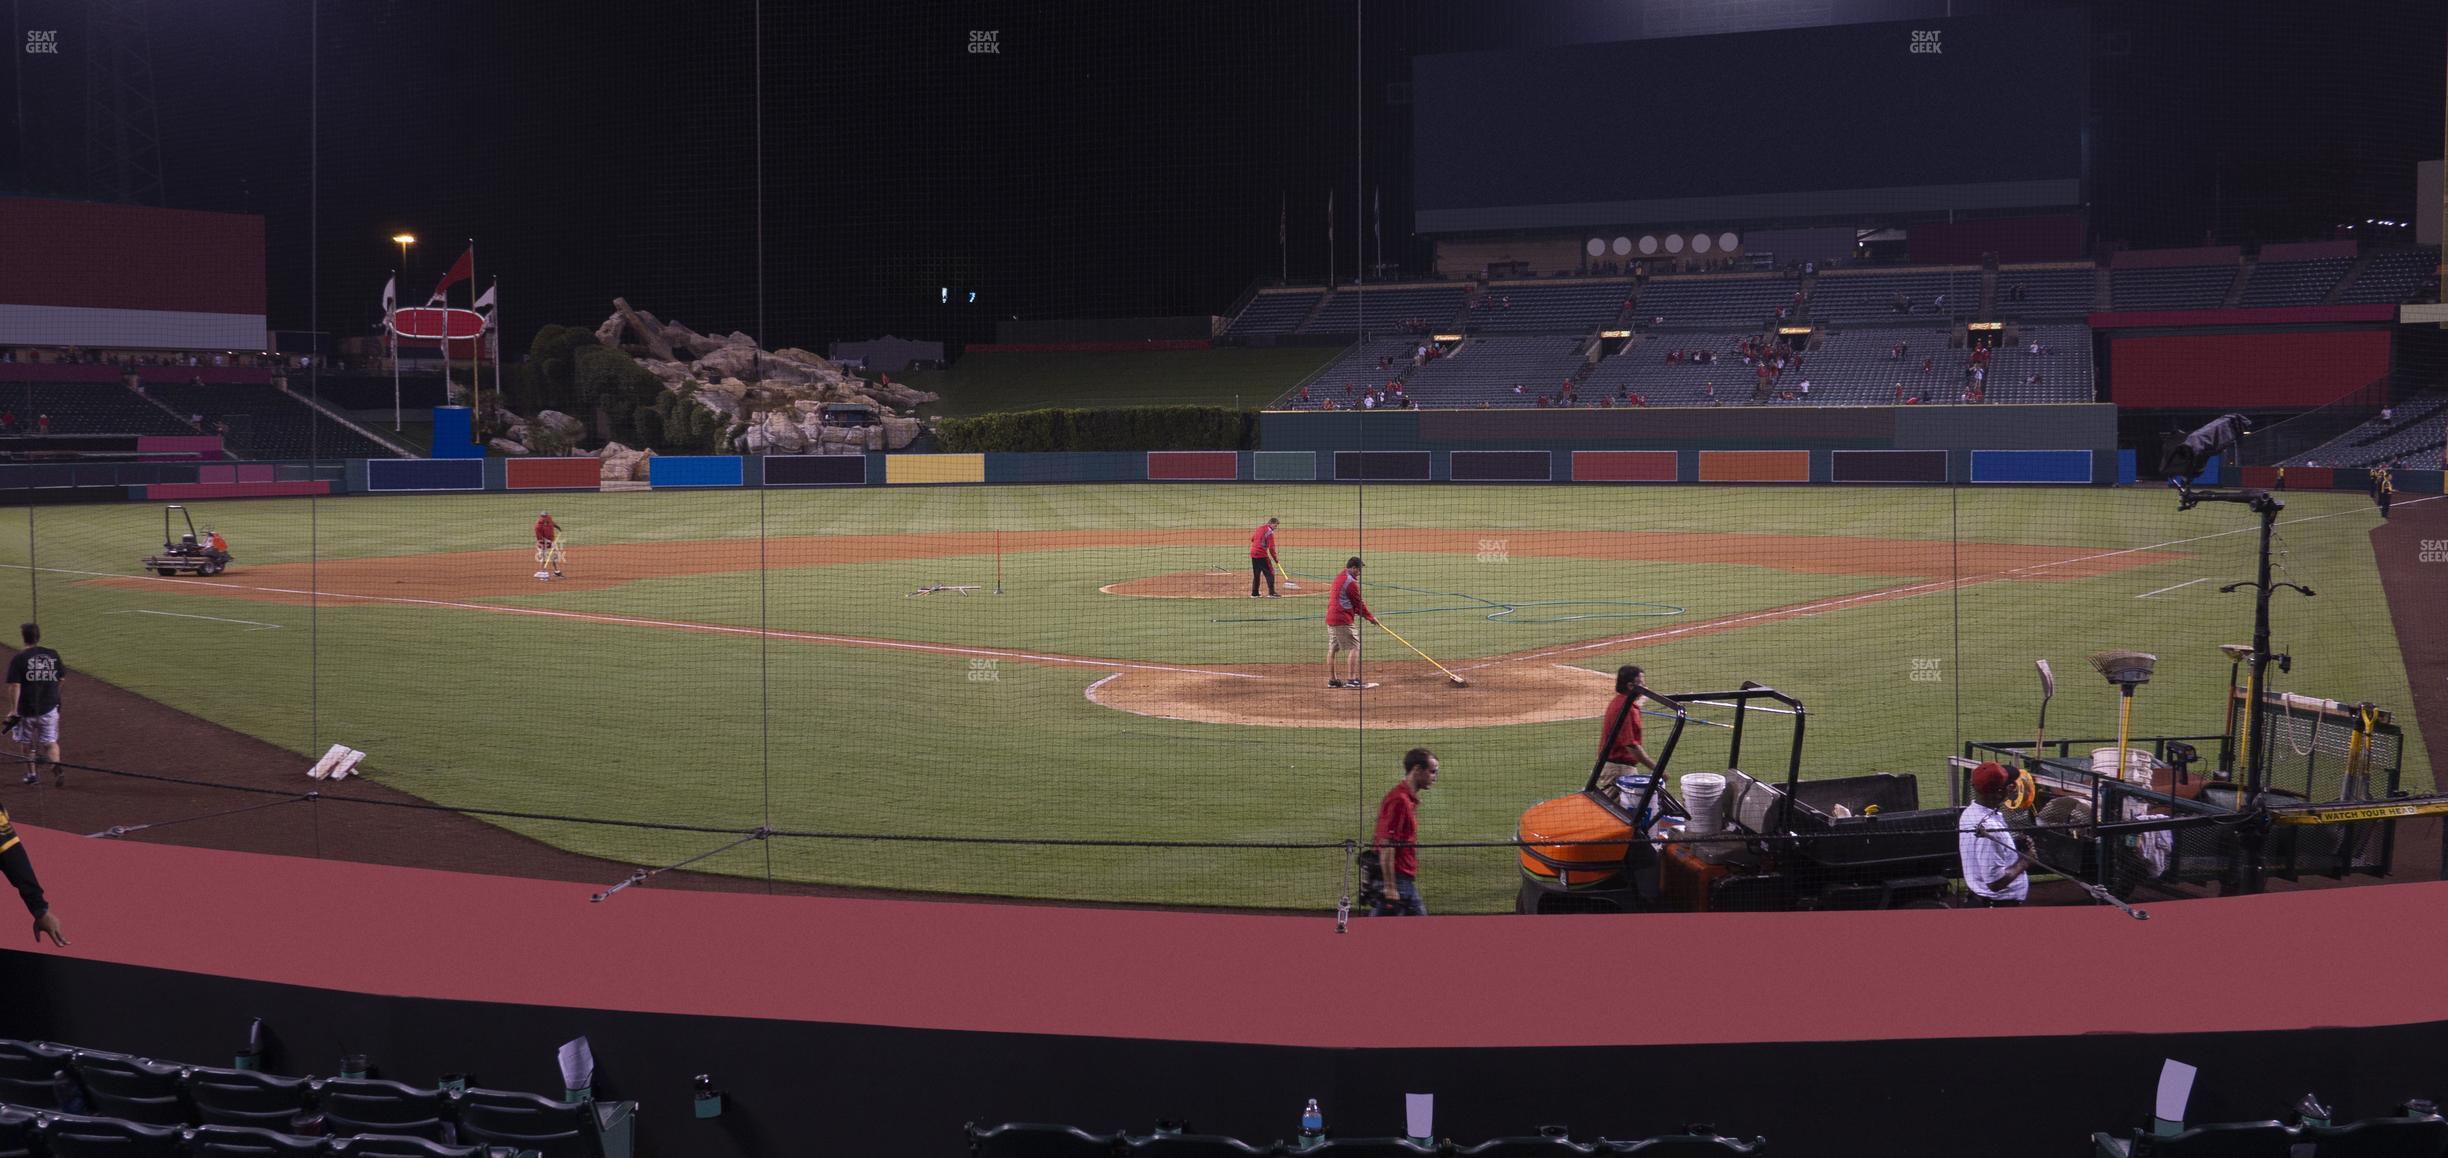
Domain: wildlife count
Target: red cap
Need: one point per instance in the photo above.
(1991, 776)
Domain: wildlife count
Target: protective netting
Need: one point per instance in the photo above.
(1063, 689)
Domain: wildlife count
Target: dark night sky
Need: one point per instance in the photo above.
(1110, 159)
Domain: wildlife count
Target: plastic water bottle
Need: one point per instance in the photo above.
(1313, 1126)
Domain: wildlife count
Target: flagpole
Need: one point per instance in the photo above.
(497, 359)
(391, 326)
(476, 348)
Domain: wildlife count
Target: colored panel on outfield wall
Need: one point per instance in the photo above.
(1381, 466)
(1085, 466)
(695, 470)
(1657, 466)
(424, 474)
(1501, 466)
(1887, 466)
(1284, 466)
(1755, 466)
(1194, 465)
(934, 468)
(2031, 466)
(815, 470)
(549, 474)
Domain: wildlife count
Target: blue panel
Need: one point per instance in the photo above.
(2032, 466)
(424, 474)
(2127, 471)
(708, 470)
(454, 433)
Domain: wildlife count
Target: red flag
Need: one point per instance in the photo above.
(458, 272)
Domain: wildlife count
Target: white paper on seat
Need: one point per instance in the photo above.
(2175, 1089)
(577, 1064)
(1419, 1115)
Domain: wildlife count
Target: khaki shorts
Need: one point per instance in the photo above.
(1342, 637)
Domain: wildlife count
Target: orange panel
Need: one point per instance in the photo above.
(1755, 466)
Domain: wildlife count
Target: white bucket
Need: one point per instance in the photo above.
(2137, 764)
(1704, 798)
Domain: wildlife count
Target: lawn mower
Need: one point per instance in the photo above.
(183, 553)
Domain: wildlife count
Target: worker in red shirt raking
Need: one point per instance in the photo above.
(548, 546)
(1397, 843)
(1262, 557)
(1344, 610)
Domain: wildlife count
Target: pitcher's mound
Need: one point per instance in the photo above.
(1408, 696)
(1203, 585)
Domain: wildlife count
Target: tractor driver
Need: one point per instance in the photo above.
(214, 542)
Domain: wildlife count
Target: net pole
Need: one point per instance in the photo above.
(998, 545)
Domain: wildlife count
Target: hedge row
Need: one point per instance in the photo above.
(1108, 428)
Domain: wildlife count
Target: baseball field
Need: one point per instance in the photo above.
(729, 659)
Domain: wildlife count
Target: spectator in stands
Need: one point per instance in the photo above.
(1899, 394)
(2388, 414)
(8, 421)
(1639, 400)
(42, 424)
(1708, 394)
(1517, 390)
(1902, 304)
(1805, 391)
(2036, 348)
(1929, 364)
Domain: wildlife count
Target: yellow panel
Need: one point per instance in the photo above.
(934, 468)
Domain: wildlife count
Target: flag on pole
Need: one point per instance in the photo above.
(457, 273)
(390, 298)
(484, 304)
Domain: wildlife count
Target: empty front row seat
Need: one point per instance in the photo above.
(402, 1146)
(29, 1073)
(530, 1122)
(130, 1088)
(246, 1142)
(78, 1136)
(16, 1132)
(375, 1106)
(1037, 1140)
(245, 1098)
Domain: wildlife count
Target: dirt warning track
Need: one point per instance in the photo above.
(1532, 686)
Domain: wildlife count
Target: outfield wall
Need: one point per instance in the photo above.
(1886, 445)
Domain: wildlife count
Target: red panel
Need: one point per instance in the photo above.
(1623, 466)
(67, 253)
(529, 474)
(2273, 316)
(1203, 465)
(150, 375)
(2221, 371)
(198, 490)
(255, 472)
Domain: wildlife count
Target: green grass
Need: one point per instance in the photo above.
(983, 383)
(480, 709)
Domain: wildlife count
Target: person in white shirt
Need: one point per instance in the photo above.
(1995, 860)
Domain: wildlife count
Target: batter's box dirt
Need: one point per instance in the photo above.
(1410, 696)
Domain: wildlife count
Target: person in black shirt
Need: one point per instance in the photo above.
(34, 677)
(19, 869)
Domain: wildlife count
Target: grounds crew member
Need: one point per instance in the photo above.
(1262, 557)
(2384, 486)
(19, 869)
(547, 533)
(1994, 858)
(34, 677)
(1398, 836)
(1344, 610)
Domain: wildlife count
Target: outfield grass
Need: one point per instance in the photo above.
(477, 708)
(983, 383)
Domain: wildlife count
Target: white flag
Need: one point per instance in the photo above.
(484, 304)
(390, 296)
